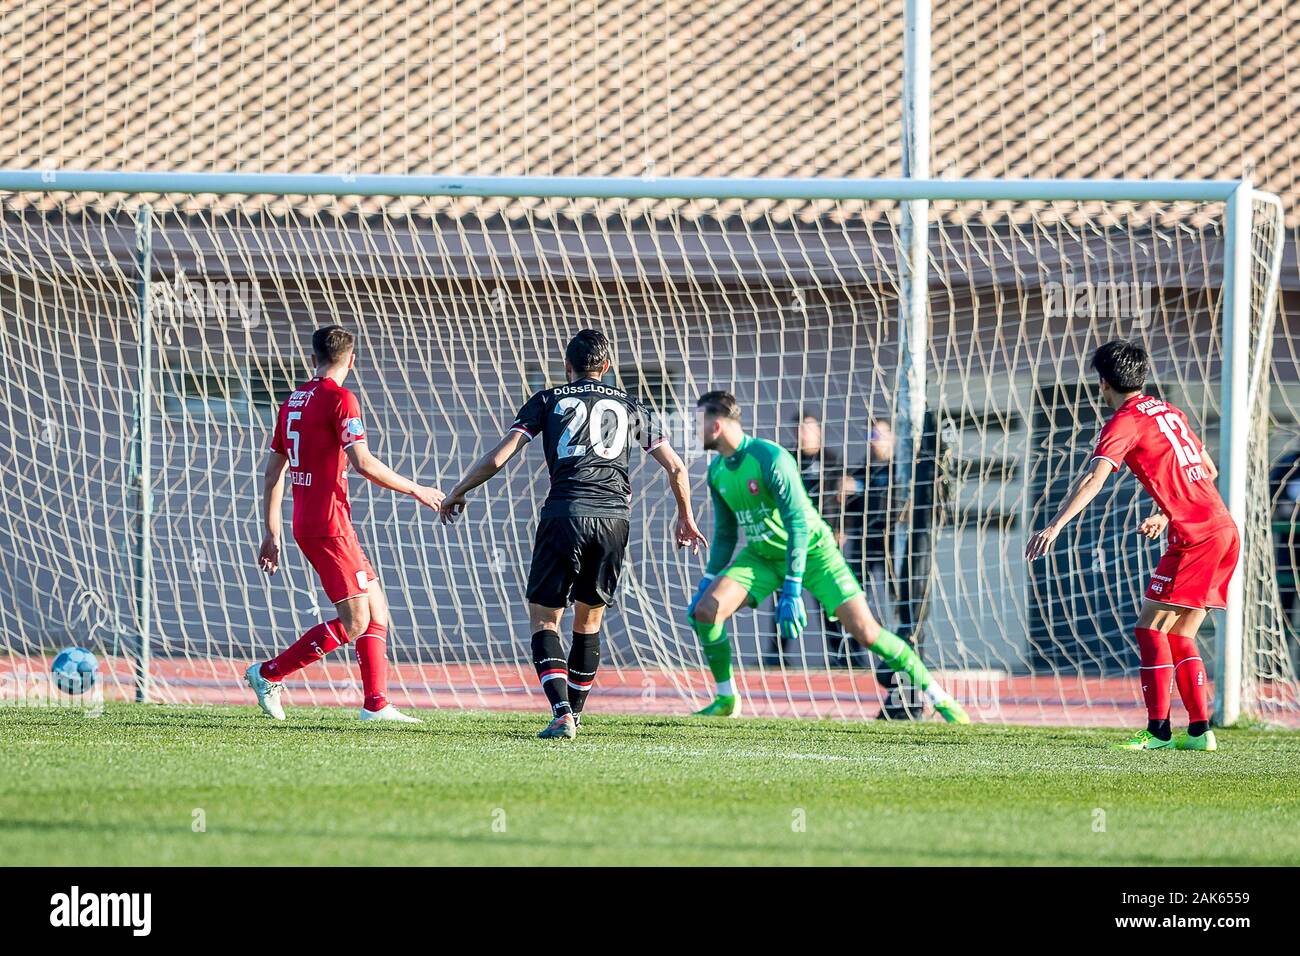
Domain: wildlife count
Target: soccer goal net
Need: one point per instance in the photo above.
(150, 325)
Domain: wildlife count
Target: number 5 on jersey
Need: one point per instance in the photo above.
(291, 432)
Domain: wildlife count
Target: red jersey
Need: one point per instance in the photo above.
(1155, 440)
(315, 426)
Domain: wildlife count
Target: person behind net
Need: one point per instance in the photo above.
(755, 485)
(1284, 492)
(879, 507)
(318, 432)
(586, 429)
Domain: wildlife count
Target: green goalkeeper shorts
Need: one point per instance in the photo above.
(826, 575)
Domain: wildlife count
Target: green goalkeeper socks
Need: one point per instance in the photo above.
(900, 657)
(717, 649)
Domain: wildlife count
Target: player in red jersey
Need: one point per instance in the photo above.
(318, 431)
(1155, 440)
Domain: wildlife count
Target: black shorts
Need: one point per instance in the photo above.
(577, 558)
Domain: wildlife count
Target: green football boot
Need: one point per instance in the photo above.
(951, 711)
(1144, 740)
(724, 705)
(1204, 742)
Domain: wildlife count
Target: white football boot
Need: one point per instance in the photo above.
(390, 713)
(267, 691)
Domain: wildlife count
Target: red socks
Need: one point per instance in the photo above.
(320, 640)
(372, 656)
(1168, 659)
(1157, 671)
(1189, 672)
(308, 649)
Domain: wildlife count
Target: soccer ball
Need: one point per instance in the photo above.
(75, 670)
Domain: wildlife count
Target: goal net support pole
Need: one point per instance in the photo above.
(142, 454)
(913, 311)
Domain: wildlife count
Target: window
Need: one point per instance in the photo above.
(656, 384)
(241, 389)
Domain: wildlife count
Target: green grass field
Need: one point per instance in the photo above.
(475, 788)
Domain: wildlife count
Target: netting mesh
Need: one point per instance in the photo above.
(462, 313)
(1269, 650)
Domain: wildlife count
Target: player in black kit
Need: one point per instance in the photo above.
(587, 428)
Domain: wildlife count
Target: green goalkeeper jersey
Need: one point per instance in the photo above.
(759, 489)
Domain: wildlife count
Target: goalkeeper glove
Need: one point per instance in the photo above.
(791, 618)
(699, 593)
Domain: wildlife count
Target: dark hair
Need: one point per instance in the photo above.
(719, 404)
(331, 344)
(1123, 365)
(588, 351)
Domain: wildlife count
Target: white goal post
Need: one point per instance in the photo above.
(149, 323)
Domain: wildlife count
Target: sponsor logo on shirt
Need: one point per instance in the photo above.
(355, 427)
(585, 387)
(755, 523)
(1152, 406)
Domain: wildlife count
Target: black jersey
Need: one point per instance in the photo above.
(587, 428)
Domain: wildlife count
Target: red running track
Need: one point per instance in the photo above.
(768, 692)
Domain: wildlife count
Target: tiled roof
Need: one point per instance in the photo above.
(1124, 88)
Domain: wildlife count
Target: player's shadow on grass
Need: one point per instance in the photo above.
(797, 847)
(518, 727)
(250, 720)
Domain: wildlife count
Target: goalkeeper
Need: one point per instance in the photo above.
(755, 485)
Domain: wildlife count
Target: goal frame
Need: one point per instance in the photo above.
(1238, 196)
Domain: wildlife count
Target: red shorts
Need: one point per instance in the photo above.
(340, 564)
(1196, 573)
